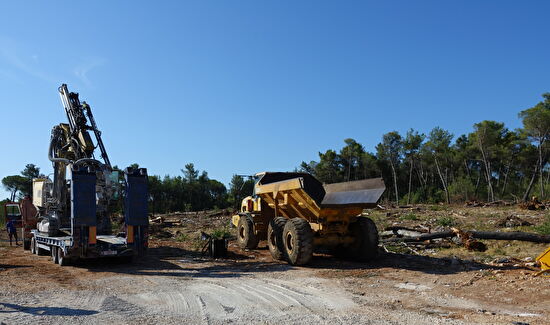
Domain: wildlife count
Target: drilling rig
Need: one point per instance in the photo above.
(69, 217)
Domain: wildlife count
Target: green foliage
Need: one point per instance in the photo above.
(221, 233)
(21, 185)
(445, 221)
(544, 228)
(193, 192)
(182, 237)
(409, 216)
(239, 188)
(462, 190)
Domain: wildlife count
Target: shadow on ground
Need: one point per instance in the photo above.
(178, 262)
(426, 264)
(46, 311)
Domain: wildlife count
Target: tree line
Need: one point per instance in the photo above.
(490, 163)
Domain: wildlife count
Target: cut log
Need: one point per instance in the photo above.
(513, 235)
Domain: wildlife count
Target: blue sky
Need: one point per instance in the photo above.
(247, 86)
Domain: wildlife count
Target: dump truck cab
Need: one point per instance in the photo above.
(320, 216)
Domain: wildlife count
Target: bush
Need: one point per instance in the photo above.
(220, 233)
(461, 190)
(445, 222)
(544, 228)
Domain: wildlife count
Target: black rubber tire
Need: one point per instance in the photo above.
(298, 241)
(365, 247)
(53, 254)
(245, 234)
(275, 238)
(26, 244)
(33, 245)
(41, 251)
(61, 259)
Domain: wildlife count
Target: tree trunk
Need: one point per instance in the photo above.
(541, 169)
(528, 191)
(442, 181)
(410, 182)
(505, 180)
(395, 183)
(512, 235)
(488, 173)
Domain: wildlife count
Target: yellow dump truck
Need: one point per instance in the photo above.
(297, 215)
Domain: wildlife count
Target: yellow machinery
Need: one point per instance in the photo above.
(544, 261)
(297, 215)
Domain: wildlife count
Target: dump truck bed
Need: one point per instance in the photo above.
(301, 195)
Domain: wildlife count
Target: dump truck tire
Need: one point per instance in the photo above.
(365, 247)
(245, 234)
(298, 241)
(275, 238)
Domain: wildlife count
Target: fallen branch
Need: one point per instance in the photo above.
(513, 235)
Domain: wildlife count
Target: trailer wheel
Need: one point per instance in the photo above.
(61, 259)
(275, 237)
(37, 250)
(53, 251)
(245, 236)
(298, 241)
(365, 247)
(33, 245)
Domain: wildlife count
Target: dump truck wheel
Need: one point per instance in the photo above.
(33, 246)
(365, 247)
(298, 241)
(275, 237)
(245, 234)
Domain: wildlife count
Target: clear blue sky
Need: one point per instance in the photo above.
(247, 86)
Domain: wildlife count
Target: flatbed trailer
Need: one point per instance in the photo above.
(80, 241)
(63, 250)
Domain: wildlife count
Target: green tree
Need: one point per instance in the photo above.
(438, 145)
(16, 184)
(389, 150)
(536, 121)
(411, 146)
(239, 188)
(490, 138)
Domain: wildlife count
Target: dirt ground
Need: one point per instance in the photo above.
(176, 284)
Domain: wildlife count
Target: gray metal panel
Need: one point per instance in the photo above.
(364, 198)
(364, 193)
(364, 184)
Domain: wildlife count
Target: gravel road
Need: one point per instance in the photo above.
(215, 296)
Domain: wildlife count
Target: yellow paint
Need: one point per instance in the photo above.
(544, 259)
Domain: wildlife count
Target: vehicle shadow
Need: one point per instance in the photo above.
(178, 262)
(46, 311)
(426, 264)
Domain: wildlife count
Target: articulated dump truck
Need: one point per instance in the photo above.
(298, 215)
